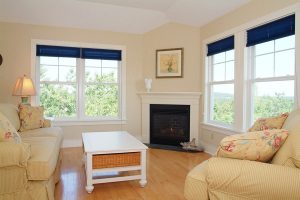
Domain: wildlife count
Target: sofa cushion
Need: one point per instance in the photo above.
(31, 117)
(11, 113)
(45, 146)
(269, 123)
(256, 146)
(44, 132)
(8, 132)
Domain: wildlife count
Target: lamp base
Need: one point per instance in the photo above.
(24, 100)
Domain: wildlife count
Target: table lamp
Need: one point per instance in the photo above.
(24, 88)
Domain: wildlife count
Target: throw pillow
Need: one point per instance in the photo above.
(8, 133)
(31, 117)
(269, 123)
(256, 146)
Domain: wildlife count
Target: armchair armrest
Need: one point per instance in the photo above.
(254, 180)
(12, 154)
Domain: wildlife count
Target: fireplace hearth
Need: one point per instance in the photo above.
(169, 124)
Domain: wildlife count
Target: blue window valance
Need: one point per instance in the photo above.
(57, 51)
(220, 46)
(75, 52)
(104, 54)
(271, 31)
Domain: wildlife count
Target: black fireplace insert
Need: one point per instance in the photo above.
(169, 124)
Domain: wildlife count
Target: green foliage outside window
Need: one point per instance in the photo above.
(100, 99)
(264, 106)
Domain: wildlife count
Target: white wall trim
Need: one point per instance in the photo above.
(220, 129)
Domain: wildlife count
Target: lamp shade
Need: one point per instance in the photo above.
(24, 87)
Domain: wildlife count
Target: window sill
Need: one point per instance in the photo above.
(87, 122)
(220, 129)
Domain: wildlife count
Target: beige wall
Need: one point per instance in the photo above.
(245, 14)
(168, 36)
(15, 47)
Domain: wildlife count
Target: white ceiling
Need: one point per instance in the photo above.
(131, 16)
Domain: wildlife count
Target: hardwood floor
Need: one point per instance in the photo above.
(166, 172)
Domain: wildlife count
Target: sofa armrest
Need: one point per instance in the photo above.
(255, 180)
(46, 123)
(12, 154)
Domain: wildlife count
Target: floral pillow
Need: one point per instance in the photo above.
(31, 117)
(8, 133)
(256, 146)
(269, 123)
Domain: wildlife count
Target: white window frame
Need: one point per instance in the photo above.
(81, 119)
(210, 84)
(243, 72)
(253, 80)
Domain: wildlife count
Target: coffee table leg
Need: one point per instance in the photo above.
(143, 180)
(89, 173)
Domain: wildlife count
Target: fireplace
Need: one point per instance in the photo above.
(169, 124)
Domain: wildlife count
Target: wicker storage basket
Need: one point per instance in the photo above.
(116, 160)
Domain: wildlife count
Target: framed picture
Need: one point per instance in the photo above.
(169, 63)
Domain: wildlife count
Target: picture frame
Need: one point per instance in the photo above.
(169, 63)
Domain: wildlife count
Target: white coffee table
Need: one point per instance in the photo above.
(113, 152)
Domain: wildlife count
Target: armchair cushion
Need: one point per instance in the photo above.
(256, 146)
(31, 117)
(242, 179)
(269, 123)
(289, 154)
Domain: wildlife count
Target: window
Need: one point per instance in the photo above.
(257, 76)
(272, 58)
(221, 81)
(273, 77)
(79, 83)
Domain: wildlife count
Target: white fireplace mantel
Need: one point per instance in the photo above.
(173, 98)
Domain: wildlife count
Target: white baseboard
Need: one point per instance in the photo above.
(71, 143)
(209, 148)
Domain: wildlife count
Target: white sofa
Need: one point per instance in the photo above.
(31, 169)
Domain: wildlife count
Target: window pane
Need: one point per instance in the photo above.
(110, 63)
(48, 73)
(67, 61)
(109, 75)
(263, 48)
(222, 99)
(45, 60)
(101, 100)
(230, 70)
(230, 55)
(92, 74)
(285, 43)
(92, 62)
(67, 74)
(219, 72)
(264, 66)
(58, 100)
(220, 57)
(273, 98)
(285, 63)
